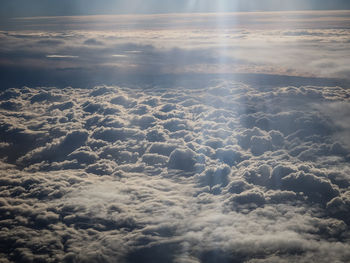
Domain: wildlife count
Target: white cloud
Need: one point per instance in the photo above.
(229, 172)
(61, 56)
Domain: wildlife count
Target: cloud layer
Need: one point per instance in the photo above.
(226, 172)
(94, 50)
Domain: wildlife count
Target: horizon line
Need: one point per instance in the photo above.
(188, 13)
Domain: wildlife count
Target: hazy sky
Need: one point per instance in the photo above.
(100, 48)
(15, 8)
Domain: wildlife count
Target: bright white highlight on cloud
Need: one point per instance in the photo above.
(61, 56)
(119, 56)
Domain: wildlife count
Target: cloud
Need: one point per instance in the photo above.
(61, 56)
(89, 53)
(56, 150)
(224, 172)
(182, 159)
(114, 134)
(93, 41)
(312, 186)
(45, 96)
(225, 141)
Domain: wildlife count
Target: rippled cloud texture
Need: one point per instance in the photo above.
(185, 160)
(224, 172)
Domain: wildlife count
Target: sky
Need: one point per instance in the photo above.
(16, 8)
(175, 131)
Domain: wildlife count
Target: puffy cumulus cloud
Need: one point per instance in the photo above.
(117, 134)
(56, 150)
(183, 159)
(311, 185)
(215, 177)
(339, 206)
(220, 173)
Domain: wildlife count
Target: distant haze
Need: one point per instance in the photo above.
(21, 8)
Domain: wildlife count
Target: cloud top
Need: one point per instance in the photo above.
(225, 172)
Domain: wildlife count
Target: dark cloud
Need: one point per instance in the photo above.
(93, 41)
(56, 150)
(50, 42)
(182, 159)
(45, 96)
(215, 177)
(312, 186)
(114, 134)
